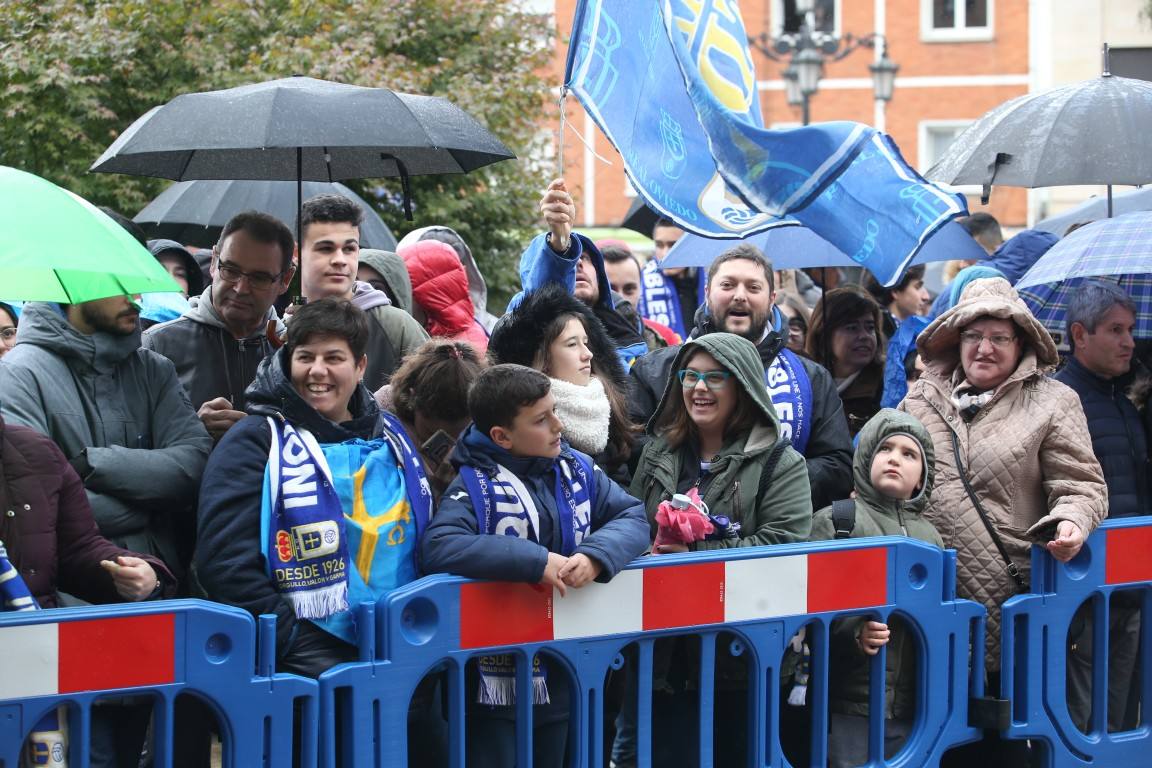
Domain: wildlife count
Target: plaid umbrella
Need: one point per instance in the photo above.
(1115, 250)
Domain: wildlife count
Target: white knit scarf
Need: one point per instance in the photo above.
(584, 412)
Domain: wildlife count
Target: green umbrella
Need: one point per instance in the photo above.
(56, 246)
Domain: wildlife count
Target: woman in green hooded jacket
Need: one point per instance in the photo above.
(893, 473)
(715, 429)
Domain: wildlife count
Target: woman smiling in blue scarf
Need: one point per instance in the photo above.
(316, 501)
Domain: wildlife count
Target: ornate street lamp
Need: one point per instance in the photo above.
(807, 51)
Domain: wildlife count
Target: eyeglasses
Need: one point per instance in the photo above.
(974, 338)
(8, 334)
(257, 280)
(689, 378)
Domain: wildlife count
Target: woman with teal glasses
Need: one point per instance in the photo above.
(715, 430)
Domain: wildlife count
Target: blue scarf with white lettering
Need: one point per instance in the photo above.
(302, 525)
(48, 740)
(791, 393)
(660, 301)
(14, 594)
(504, 507)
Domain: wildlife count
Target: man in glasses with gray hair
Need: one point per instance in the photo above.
(219, 342)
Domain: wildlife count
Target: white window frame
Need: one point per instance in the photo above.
(958, 33)
(778, 18)
(924, 162)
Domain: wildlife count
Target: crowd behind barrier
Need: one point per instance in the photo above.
(759, 597)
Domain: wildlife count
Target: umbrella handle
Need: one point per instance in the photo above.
(1002, 158)
(404, 183)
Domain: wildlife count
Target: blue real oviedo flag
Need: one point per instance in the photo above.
(671, 84)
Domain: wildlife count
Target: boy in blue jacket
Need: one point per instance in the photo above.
(526, 507)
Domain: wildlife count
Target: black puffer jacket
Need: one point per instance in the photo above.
(1118, 438)
(828, 454)
(229, 562)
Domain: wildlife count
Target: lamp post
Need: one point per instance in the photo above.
(806, 52)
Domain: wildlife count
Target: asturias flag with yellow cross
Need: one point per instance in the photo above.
(671, 83)
(379, 525)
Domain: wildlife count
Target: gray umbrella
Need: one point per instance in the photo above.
(1095, 208)
(195, 212)
(1092, 132)
(302, 129)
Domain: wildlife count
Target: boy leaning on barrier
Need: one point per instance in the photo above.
(526, 507)
(893, 471)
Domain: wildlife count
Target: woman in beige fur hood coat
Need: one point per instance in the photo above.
(1022, 437)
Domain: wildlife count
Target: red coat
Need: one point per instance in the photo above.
(47, 526)
(440, 288)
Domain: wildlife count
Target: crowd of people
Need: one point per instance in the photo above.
(298, 461)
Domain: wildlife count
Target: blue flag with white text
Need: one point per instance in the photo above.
(671, 84)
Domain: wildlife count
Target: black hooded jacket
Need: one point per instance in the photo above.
(229, 562)
(828, 454)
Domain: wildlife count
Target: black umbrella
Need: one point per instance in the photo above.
(303, 129)
(195, 212)
(640, 218)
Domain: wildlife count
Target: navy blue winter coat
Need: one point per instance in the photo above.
(1118, 438)
(453, 543)
(229, 562)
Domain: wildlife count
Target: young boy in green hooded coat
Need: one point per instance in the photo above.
(892, 471)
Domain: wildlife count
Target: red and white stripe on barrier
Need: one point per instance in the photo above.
(95, 655)
(1127, 553)
(673, 596)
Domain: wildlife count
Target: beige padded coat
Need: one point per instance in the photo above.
(1027, 452)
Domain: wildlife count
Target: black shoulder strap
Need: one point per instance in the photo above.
(770, 468)
(844, 517)
(1013, 570)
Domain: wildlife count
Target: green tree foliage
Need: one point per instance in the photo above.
(75, 73)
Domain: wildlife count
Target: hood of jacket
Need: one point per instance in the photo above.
(1017, 254)
(736, 354)
(519, 335)
(192, 271)
(879, 428)
(203, 311)
(44, 325)
(939, 343)
(391, 268)
(477, 288)
(439, 286)
(366, 297)
(272, 394)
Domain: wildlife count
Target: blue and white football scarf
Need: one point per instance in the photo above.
(660, 301)
(301, 524)
(504, 507)
(48, 742)
(14, 594)
(791, 393)
(365, 507)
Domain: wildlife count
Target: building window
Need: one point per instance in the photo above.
(955, 20)
(935, 136)
(787, 20)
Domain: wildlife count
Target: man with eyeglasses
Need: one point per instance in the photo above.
(218, 343)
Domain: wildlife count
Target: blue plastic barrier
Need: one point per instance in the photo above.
(1035, 635)
(76, 656)
(760, 595)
